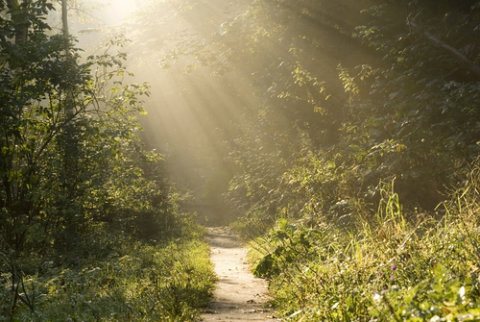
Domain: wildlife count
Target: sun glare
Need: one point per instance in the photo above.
(121, 10)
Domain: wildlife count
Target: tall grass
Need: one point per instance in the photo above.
(139, 282)
(394, 267)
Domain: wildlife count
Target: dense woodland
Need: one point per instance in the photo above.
(90, 228)
(341, 138)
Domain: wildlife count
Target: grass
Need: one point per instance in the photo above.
(393, 267)
(139, 283)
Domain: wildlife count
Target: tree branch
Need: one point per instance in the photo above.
(455, 53)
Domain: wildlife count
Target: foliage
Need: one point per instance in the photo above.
(388, 270)
(87, 215)
(137, 282)
(361, 99)
(372, 89)
(354, 95)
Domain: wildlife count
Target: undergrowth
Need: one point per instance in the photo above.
(396, 266)
(138, 282)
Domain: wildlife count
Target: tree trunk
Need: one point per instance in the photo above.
(69, 141)
(19, 20)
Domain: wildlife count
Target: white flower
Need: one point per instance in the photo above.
(461, 292)
(377, 297)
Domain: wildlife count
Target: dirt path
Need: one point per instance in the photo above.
(239, 296)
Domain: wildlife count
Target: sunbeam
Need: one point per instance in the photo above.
(330, 148)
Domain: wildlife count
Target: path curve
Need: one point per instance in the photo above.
(239, 296)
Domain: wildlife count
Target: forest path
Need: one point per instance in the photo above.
(239, 296)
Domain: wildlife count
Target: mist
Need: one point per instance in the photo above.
(198, 98)
(185, 160)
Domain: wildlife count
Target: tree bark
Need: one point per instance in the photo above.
(70, 144)
(65, 30)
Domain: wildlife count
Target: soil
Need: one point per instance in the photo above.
(239, 296)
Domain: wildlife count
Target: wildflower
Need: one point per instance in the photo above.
(461, 292)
